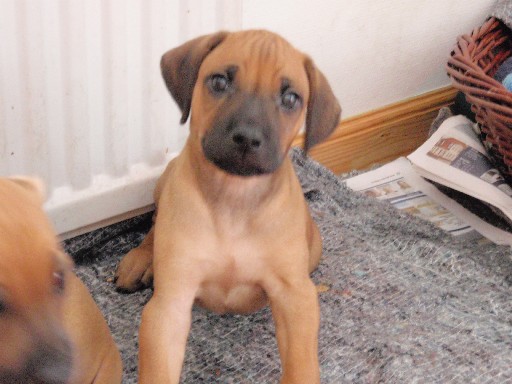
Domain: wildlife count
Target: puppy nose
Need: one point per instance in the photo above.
(247, 139)
(52, 363)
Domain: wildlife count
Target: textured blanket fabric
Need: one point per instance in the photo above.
(401, 301)
(503, 11)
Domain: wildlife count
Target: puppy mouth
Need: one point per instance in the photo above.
(239, 169)
(238, 162)
(45, 365)
(51, 363)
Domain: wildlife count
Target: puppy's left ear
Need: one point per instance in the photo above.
(323, 110)
(33, 185)
(180, 67)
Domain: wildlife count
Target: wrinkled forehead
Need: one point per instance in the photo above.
(262, 58)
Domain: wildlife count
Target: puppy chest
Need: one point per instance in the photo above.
(233, 269)
(232, 284)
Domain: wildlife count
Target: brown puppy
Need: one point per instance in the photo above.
(232, 229)
(51, 329)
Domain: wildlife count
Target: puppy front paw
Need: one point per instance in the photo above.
(135, 271)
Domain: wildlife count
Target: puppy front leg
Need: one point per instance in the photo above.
(163, 334)
(135, 270)
(297, 316)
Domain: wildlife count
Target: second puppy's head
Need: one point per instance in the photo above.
(33, 268)
(248, 93)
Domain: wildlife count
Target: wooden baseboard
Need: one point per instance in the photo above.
(381, 135)
(373, 137)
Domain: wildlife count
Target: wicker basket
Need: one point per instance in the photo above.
(472, 64)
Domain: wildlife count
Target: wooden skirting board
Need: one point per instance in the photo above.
(381, 135)
(373, 137)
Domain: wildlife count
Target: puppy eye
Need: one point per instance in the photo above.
(58, 281)
(4, 307)
(219, 83)
(290, 101)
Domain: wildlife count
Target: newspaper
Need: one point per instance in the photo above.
(455, 157)
(399, 184)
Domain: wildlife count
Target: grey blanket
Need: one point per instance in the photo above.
(401, 301)
(503, 11)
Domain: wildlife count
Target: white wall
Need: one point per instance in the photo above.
(82, 102)
(83, 105)
(374, 52)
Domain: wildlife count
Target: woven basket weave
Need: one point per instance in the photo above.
(472, 64)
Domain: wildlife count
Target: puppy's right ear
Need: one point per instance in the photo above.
(180, 67)
(323, 113)
(33, 185)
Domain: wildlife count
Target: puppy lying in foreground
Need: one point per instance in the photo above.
(51, 330)
(232, 230)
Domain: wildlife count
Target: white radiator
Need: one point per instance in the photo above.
(82, 102)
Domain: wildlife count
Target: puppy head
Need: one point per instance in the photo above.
(32, 277)
(249, 93)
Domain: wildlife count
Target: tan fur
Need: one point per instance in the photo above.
(227, 242)
(44, 329)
